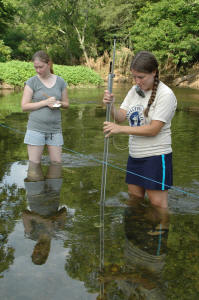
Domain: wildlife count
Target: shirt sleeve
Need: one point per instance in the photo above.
(30, 83)
(63, 83)
(165, 107)
(128, 99)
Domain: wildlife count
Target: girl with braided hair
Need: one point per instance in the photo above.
(149, 107)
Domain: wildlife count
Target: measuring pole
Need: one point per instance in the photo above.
(105, 160)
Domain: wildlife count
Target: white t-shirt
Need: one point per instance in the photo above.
(162, 109)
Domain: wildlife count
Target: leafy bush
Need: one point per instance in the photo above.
(170, 30)
(5, 52)
(76, 75)
(17, 72)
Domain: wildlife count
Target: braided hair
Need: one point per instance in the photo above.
(43, 56)
(145, 62)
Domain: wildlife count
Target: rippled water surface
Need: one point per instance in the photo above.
(51, 241)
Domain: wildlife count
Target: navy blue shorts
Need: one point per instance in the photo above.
(151, 173)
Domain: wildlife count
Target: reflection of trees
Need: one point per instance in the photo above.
(12, 147)
(11, 204)
(182, 264)
(83, 258)
(85, 133)
(11, 197)
(82, 185)
(185, 128)
(6, 257)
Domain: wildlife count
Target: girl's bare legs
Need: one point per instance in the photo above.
(35, 153)
(55, 153)
(159, 201)
(158, 198)
(34, 167)
(54, 171)
(136, 194)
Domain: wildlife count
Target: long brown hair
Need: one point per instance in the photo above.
(145, 62)
(44, 57)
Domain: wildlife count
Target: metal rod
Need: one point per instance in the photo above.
(105, 160)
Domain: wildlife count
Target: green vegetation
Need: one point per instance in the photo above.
(17, 72)
(5, 52)
(172, 31)
(80, 32)
(76, 75)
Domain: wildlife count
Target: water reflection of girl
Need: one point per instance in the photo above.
(43, 217)
(140, 222)
(145, 252)
(140, 276)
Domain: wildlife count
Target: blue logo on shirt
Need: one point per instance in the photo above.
(135, 119)
(135, 116)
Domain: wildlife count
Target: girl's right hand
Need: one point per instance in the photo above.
(108, 97)
(50, 101)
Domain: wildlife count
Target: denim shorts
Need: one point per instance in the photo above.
(36, 138)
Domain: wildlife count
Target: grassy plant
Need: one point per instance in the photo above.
(17, 72)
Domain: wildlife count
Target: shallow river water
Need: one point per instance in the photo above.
(51, 242)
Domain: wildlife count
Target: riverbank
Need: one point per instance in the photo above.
(191, 81)
(13, 75)
(188, 81)
(168, 72)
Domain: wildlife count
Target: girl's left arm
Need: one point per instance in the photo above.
(64, 101)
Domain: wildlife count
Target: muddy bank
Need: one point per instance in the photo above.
(6, 86)
(191, 81)
(9, 87)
